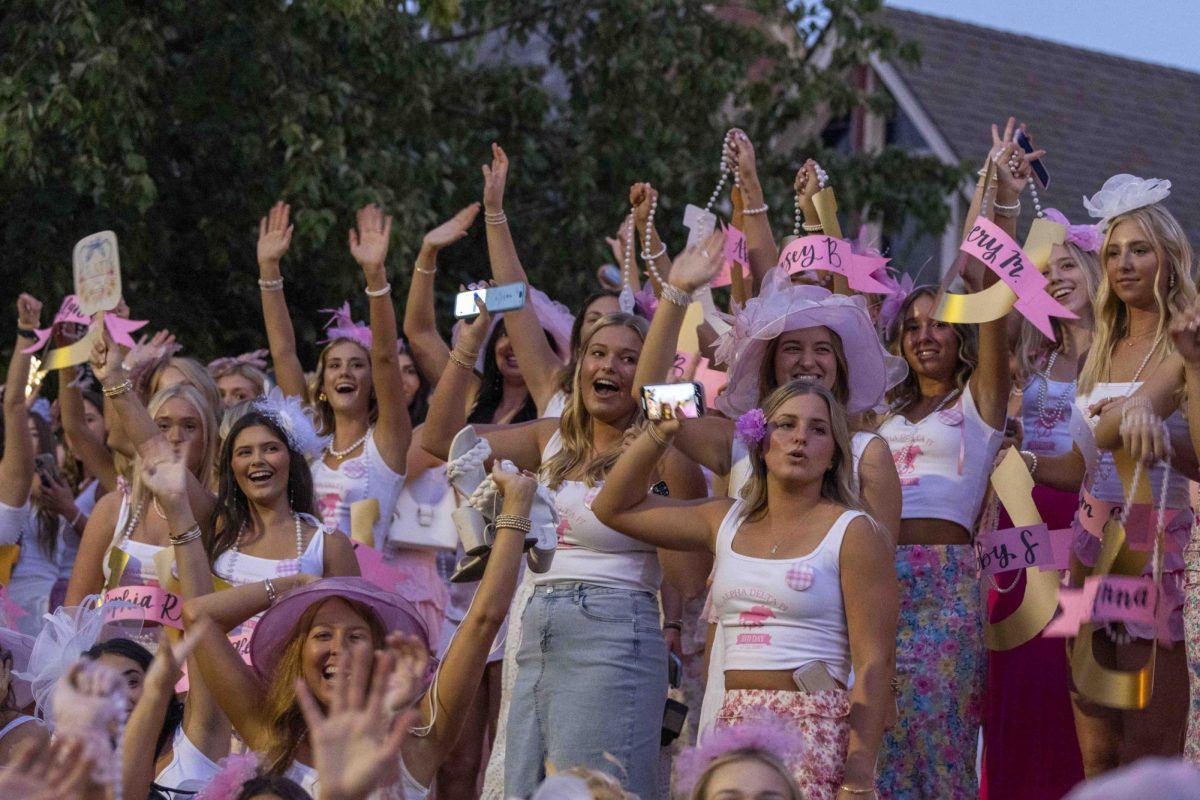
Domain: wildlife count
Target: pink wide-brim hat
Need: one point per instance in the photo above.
(274, 629)
(782, 307)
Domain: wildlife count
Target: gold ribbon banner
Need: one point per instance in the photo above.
(1116, 688)
(9, 553)
(73, 354)
(1014, 487)
(826, 205)
(363, 516)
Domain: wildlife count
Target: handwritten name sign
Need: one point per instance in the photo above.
(1003, 256)
(834, 255)
(735, 255)
(148, 603)
(1109, 598)
(1141, 525)
(1024, 547)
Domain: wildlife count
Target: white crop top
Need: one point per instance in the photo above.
(782, 613)
(355, 479)
(588, 550)
(241, 568)
(1106, 483)
(943, 461)
(1047, 426)
(739, 471)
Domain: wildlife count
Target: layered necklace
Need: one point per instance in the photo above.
(287, 566)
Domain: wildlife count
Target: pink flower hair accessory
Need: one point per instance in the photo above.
(341, 325)
(751, 427)
(889, 308)
(1087, 238)
(770, 734)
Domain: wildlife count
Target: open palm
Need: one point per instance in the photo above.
(453, 229)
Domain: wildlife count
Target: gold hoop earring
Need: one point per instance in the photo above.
(322, 398)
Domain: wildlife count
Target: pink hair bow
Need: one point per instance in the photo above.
(1087, 238)
(255, 358)
(341, 325)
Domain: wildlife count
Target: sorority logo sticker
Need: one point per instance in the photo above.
(800, 577)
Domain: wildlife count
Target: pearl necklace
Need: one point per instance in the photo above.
(1061, 412)
(236, 549)
(1014, 161)
(727, 168)
(341, 454)
(1142, 366)
(822, 181)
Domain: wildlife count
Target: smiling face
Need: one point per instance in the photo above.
(346, 377)
(808, 354)
(180, 423)
(132, 675)
(235, 388)
(260, 463)
(930, 346)
(1131, 266)
(606, 372)
(410, 379)
(799, 447)
(337, 632)
(1068, 285)
(747, 779)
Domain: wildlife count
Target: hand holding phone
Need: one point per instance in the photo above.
(1039, 169)
(670, 400)
(509, 297)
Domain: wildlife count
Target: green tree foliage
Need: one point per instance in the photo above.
(177, 124)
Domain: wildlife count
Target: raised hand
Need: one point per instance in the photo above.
(474, 333)
(741, 153)
(1185, 333)
(642, 197)
(165, 475)
(29, 312)
(105, 360)
(51, 773)
(699, 264)
(54, 496)
(167, 667)
(494, 179)
(356, 744)
(1012, 163)
(369, 242)
(274, 235)
(453, 229)
(407, 678)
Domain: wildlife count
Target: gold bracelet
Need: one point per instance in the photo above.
(516, 523)
(461, 361)
(190, 535)
(118, 390)
(658, 437)
(852, 790)
(424, 271)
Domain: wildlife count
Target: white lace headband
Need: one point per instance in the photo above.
(294, 421)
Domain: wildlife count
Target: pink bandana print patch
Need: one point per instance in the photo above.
(800, 577)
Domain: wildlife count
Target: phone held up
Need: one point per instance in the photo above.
(670, 400)
(508, 297)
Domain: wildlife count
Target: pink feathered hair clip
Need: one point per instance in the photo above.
(890, 307)
(771, 735)
(751, 427)
(1087, 238)
(255, 358)
(341, 325)
(227, 784)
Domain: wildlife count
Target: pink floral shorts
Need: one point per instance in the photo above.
(821, 718)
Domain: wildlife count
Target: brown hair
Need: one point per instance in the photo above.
(766, 374)
(325, 420)
(968, 351)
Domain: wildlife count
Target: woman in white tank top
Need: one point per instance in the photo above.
(593, 621)
(358, 393)
(1147, 283)
(804, 586)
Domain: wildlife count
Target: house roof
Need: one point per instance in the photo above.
(1097, 115)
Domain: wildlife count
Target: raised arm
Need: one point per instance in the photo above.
(643, 198)
(871, 596)
(369, 246)
(274, 238)
(86, 446)
(141, 428)
(694, 268)
(540, 367)
(453, 690)
(756, 222)
(665, 522)
(16, 467)
(427, 346)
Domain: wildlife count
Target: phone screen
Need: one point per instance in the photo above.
(670, 400)
(464, 303)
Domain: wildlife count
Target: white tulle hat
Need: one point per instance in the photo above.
(1123, 193)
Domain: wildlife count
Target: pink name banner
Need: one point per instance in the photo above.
(145, 603)
(70, 313)
(1140, 526)
(1110, 598)
(734, 253)
(834, 255)
(1003, 256)
(1021, 548)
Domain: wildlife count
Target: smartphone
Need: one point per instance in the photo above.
(674, 671)
(46, 468)
(508, 297)
(668, 400)
(1039, 169)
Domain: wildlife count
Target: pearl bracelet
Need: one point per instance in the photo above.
(270, 286)
(516, 523)
(750, 212)
(387, 288)
(813, 227)
(1033, 461)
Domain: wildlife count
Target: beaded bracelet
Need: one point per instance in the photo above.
(462, 360)
(386, 289)
(750, 212)
(675, 296)
(516, 523)
(118, 390)
(270, 286)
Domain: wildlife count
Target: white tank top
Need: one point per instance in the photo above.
(1106, 483)
(739, 471)
(782, 613)
(34, 574)
(240, 568)
(588, 550)
(943, 461)
(355, 479)
(189, 770)
(1047, 425)
(139, 569)
(555, 405)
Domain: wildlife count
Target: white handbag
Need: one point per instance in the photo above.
(421, 518)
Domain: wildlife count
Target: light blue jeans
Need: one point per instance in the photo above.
(591, 686)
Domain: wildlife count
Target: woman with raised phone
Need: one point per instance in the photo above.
(803, 587)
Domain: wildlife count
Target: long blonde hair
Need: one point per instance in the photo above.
(1033, 347)
(285, 722)
(575, 425)
(194, 374)
(1174, 252)
(208, 431)
(838, 479)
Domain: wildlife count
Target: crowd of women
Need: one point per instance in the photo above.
(477, 569)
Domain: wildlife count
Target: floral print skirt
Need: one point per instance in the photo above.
(940, 668)
(820, 718)
(1191, 626)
